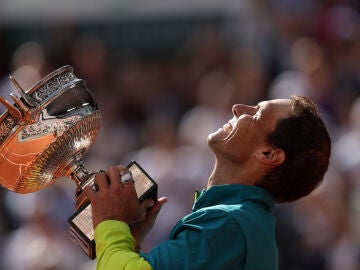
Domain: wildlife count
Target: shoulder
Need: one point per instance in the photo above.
(214, 218)
(208, 238)
(227, 213)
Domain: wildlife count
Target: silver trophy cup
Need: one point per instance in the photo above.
(44, 135)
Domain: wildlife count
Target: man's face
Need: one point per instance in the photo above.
(247, 131)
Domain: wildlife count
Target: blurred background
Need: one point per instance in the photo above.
(165, 74)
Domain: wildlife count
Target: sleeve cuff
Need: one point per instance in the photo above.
(113, 225)
(113, 233)
(115, 247)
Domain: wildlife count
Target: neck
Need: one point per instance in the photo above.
(228, 172)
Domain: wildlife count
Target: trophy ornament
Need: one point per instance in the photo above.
(45, 134)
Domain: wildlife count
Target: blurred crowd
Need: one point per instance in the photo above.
(159, 108)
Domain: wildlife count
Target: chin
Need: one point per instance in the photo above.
(217, 136)
(211, 139)
(214, 140)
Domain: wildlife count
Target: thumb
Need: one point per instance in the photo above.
(154, 211)
(147, 203)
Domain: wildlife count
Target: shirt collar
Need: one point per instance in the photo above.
(233, 194)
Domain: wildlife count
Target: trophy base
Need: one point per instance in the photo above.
(82, 231)
(81, 223)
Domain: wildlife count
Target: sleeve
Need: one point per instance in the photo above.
(208, 240)
(115, 248)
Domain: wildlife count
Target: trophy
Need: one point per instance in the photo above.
(45, 134)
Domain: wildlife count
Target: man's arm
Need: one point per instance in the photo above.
(115, 247)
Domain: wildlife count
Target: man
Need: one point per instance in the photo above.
(277, 151)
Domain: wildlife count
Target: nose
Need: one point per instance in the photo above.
(240, 109)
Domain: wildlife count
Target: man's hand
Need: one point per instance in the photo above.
(140, 229)
(115, 200)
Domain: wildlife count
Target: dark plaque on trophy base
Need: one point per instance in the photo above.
(44, 135)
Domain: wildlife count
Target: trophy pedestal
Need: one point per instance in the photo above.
(82, 231)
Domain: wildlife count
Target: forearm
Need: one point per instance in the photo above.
(115, 247)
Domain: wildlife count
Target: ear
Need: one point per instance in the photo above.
(271, 156)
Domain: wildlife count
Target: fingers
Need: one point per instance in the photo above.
(90, 193)
(113, 199)
(114, 177)
(104, 181)
(162, 200)
(145, 205)
(110, 178)
(154, 211)
(101, 181)
(139, 230)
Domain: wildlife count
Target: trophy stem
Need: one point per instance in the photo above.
(82, 178)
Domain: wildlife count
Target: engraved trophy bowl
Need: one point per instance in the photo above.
(45, 134)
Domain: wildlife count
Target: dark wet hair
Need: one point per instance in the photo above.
(307, 146)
